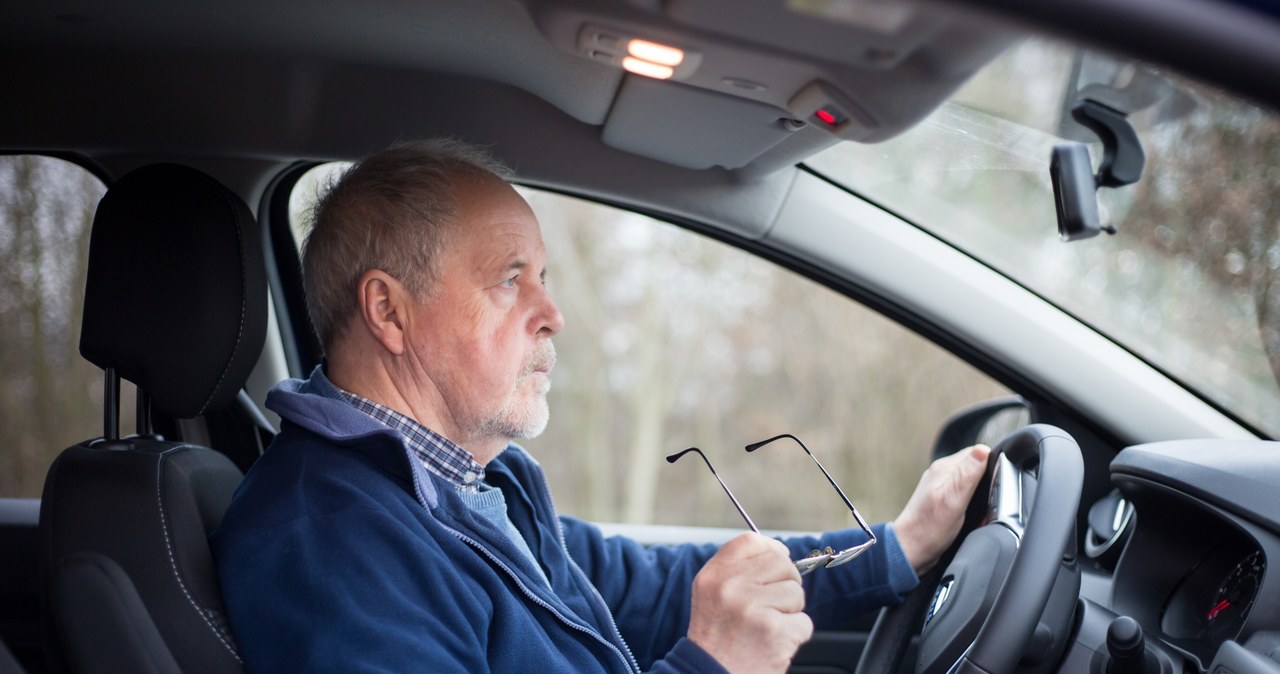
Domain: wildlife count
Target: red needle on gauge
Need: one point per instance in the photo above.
(1218, 608)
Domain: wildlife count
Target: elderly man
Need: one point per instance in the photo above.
(392, 526)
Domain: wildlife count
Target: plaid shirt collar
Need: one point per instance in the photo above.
(437, 453)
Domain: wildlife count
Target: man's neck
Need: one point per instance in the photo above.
(375, 382)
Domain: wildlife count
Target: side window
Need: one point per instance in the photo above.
(50, 397)
(674, 340)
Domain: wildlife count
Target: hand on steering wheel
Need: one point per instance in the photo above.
(984, 607)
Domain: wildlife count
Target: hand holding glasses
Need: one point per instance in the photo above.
(818, 558)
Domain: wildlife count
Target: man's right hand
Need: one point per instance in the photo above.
(748, 606)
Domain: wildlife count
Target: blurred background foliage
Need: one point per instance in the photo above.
(50, 397)
(675, 340)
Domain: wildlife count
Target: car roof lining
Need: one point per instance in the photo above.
(289, 81)
(277, 71)
(280, 73)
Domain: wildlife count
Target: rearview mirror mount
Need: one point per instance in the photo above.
(1075, 185)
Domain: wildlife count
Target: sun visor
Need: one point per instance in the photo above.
(690, 127)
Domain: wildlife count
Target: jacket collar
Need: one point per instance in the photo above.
(316, 405)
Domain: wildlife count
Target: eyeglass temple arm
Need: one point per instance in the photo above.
(854, 511)
(676, 457)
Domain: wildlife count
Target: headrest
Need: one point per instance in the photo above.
(176, 294)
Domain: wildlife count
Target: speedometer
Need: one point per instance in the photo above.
(1236, 592)
(1212, 602)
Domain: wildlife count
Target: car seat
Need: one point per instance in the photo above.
(176, 303)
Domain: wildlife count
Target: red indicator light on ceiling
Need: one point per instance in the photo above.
(831, 116)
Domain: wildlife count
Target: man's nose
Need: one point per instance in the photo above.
(551, 321)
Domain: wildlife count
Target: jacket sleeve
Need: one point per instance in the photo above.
(648, 589)
(687, 658)
(880, 577)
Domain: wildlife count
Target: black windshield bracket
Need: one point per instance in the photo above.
(1075, 185)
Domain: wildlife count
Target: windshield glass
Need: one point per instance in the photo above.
(1191, 279)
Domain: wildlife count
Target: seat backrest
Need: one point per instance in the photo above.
(176, 303)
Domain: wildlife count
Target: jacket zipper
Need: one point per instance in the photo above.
(628, 659)
(582, 576)
(539, 601)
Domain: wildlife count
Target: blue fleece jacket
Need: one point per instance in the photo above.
(340, 553)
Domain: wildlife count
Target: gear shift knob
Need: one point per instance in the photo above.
(1128, 648)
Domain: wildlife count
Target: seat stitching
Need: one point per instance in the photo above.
(173, 565)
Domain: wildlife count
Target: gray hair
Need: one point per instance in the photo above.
(389, 211)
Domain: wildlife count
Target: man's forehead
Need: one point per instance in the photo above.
(506, 248)
(496, 246)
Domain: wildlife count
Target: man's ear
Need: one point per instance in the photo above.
(383, 308)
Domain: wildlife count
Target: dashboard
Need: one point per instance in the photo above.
(1205, 524)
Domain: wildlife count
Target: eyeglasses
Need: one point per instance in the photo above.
(818, 558)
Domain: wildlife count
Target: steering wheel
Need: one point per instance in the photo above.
(988, 605)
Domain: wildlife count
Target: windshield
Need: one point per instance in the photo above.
(1191, 279)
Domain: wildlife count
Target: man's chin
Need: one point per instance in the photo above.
(529, 423)
(537, 424)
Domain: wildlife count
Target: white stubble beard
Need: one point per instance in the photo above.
(525, 417)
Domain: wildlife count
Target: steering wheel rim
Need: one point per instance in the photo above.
(1009, 624)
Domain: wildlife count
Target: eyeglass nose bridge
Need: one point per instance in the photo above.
(849, 554)
(814, 560)
(829, 558)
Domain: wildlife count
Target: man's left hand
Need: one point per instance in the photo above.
(935, 512)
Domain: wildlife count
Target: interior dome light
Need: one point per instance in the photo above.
(653, 52)
(641, 67)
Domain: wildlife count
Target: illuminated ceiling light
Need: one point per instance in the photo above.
(632, 64)
(653, 52)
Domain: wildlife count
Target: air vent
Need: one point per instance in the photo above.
(1110, 524)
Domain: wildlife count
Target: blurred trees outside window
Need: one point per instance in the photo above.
(673, 340)
(50, 397)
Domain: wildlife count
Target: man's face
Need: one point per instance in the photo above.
(484, 337)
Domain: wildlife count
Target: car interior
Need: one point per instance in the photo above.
(1140, 495)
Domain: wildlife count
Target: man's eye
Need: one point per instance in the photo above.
(511, 282)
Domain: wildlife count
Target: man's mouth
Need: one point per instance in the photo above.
(544, 360)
